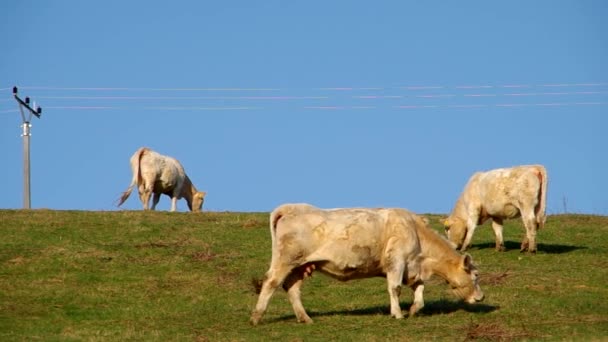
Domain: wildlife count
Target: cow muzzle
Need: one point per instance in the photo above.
(476, 298)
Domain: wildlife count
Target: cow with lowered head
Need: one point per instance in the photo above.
(360, 243)
(498, 195)
(156, 174)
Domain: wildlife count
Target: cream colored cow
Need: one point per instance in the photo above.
(498, 195)
(156, 174)
(360, 243)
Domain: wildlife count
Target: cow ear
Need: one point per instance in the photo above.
(446, 222)
(467, 262)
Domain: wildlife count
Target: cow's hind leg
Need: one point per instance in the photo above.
(274, 277)
(144, 195)
(292, 285)
(529, 242)
(497, 226)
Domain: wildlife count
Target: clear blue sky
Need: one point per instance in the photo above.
(335, 103)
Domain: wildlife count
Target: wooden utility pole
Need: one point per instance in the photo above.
(27, 203)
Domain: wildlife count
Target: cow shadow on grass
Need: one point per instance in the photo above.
(541, 247)
(430, 308)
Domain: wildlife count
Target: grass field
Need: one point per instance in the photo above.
(157, 276)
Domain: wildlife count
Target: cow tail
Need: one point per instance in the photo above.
(135, 161)
(275, 216)
(541, 216)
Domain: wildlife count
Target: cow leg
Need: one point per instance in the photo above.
(529, 242)
(292, 285)
(395, 257)
(144, 195)
(497, 226)
(274, 277)
(418, 303)
(155, 200)
(394, 279)
(174, 203)
(471, 225)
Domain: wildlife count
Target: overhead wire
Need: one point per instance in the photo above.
(382, 97)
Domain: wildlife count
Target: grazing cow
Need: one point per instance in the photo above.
(500, 194)
(360, 243)
(156, 174)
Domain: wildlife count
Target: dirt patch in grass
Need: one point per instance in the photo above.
(495, 278)
(206, 255)
(494, 332)
(253, 223)
(16, 261)
(162, 244)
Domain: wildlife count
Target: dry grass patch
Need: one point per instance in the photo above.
(494, 278)
(253, 223)
(206, 255)
(494, 332)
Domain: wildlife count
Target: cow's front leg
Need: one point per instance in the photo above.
(174, 203)
(497, 226)
(396, 257)
(394, 290)
(471, 225)
(418, 303)
(394, 279)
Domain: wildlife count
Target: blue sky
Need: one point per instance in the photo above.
(335, 103)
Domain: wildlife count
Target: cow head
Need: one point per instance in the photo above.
(465, 282)
(455, 230)
(197, 201)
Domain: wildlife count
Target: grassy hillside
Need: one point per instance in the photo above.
(134, 275)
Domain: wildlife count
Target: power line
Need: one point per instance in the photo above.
(344, 88)
(180, 98)
(325, 107)
(145, 89)
(287, 98)
(167, 108)
(419, 96)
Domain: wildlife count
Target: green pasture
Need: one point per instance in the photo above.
(160, 276)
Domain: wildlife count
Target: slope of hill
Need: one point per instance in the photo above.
(180, 276)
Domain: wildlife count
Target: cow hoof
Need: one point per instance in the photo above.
(501, 248)
(306, 320)
(255, 319)
(528, 251)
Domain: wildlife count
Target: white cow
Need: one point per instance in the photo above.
(500, 194)
(360, 243)
(156, 174)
